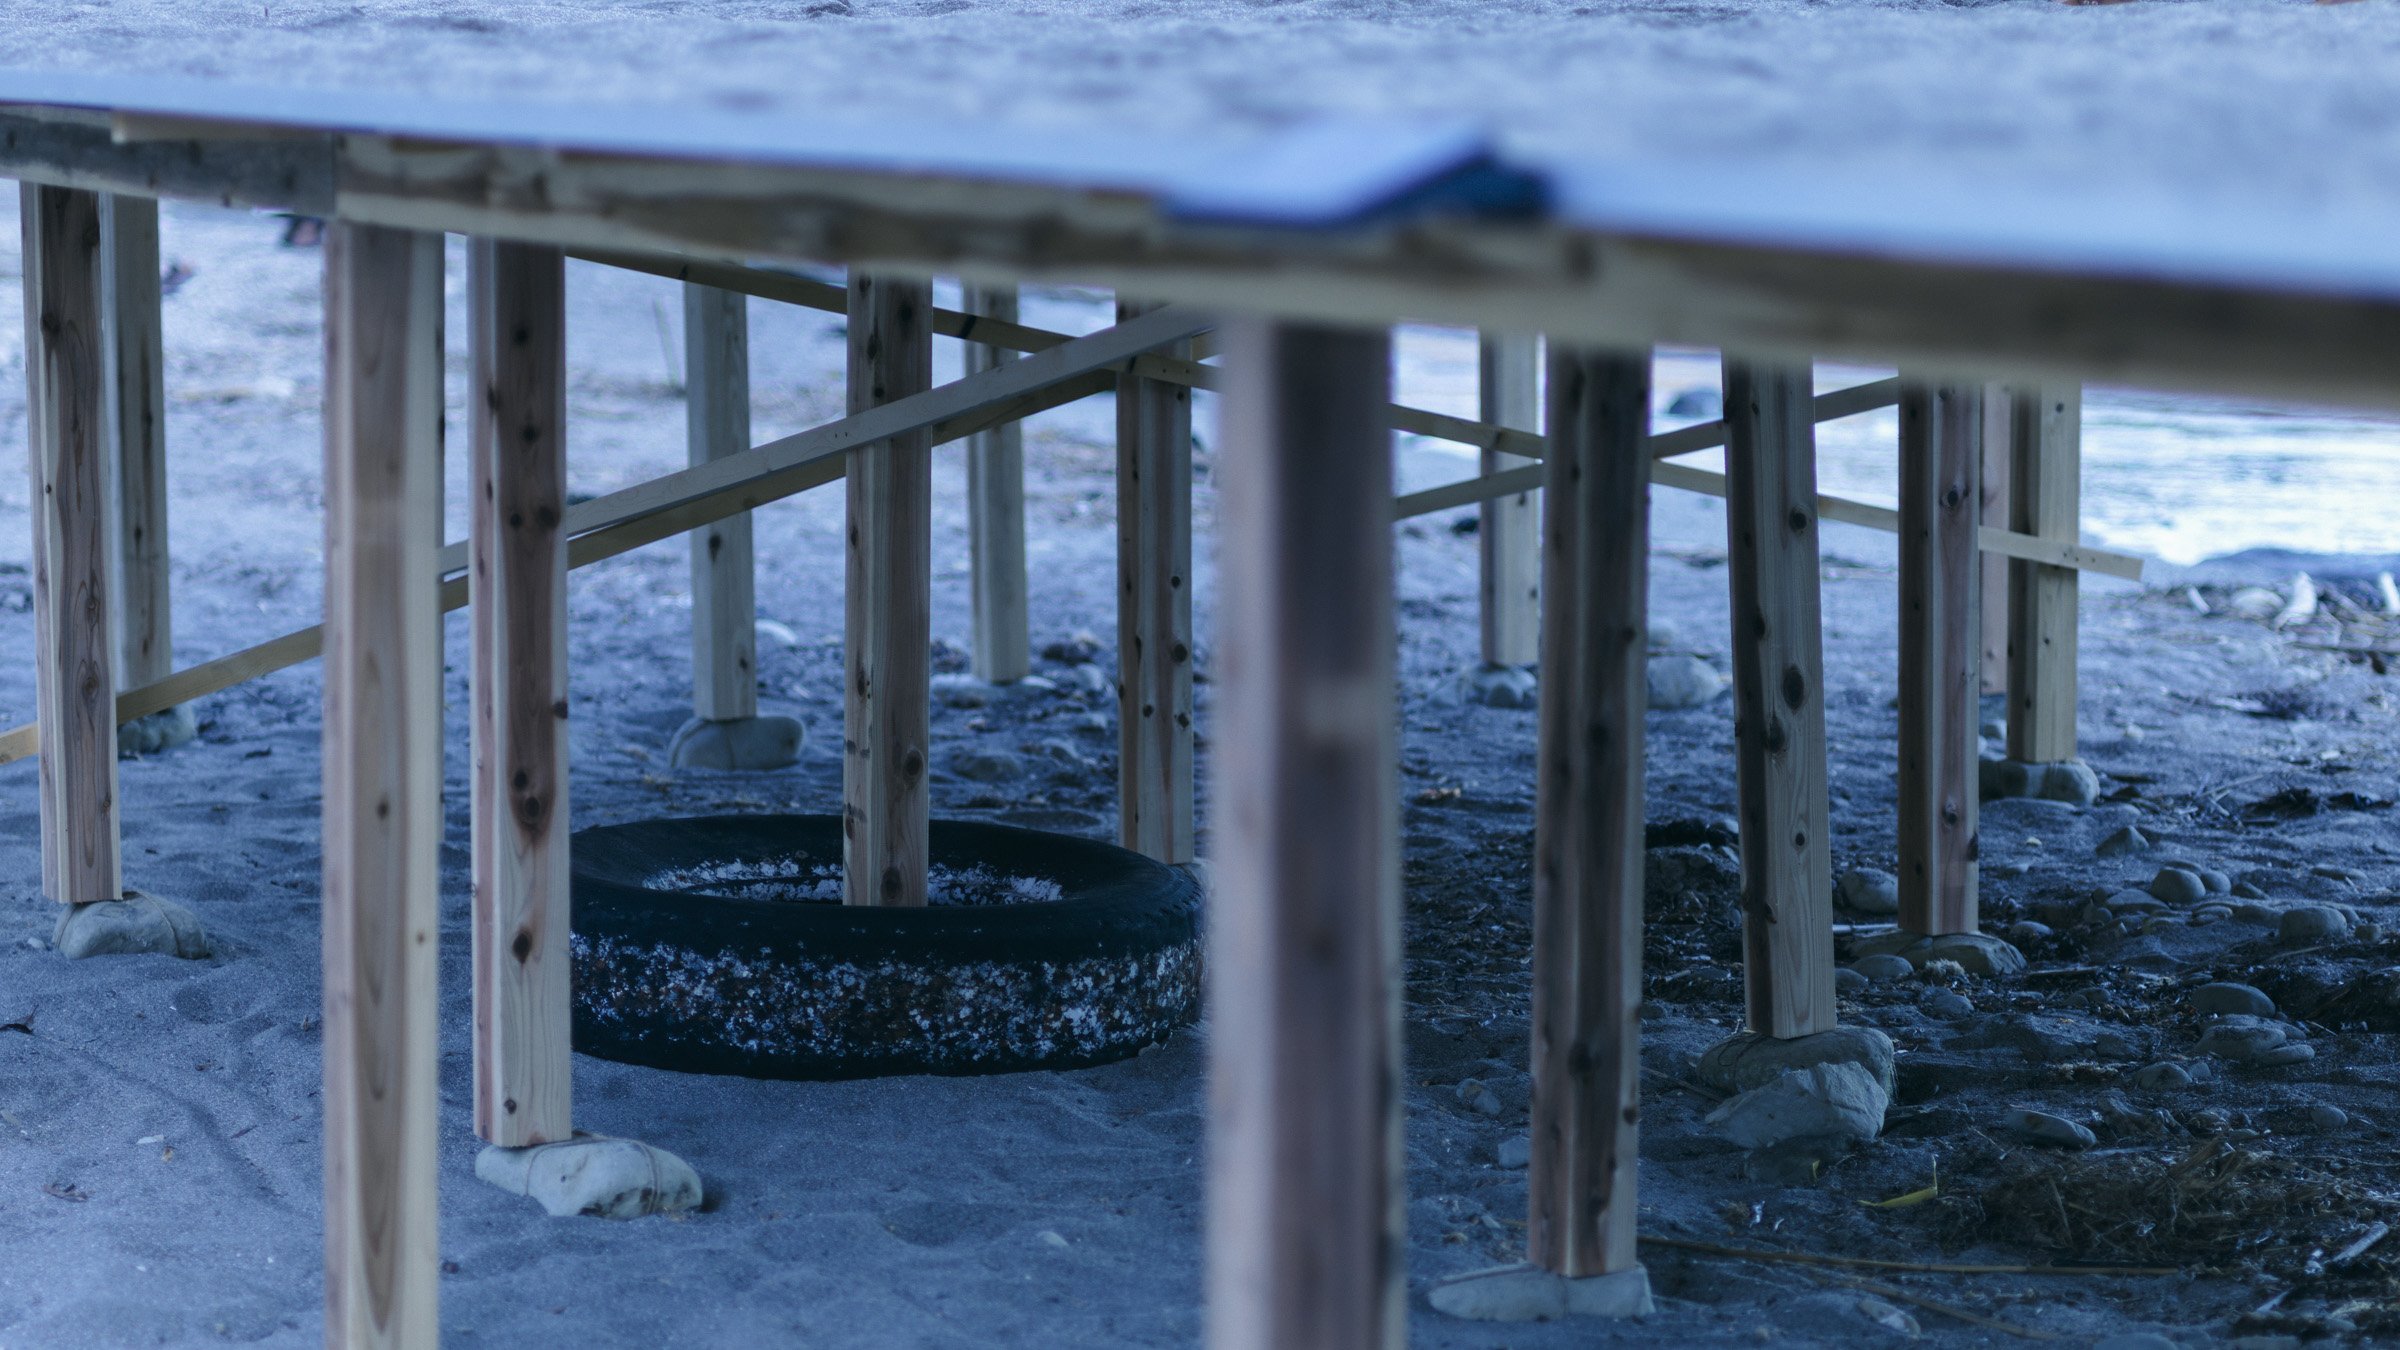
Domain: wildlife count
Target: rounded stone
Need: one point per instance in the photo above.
(1848, 983)
(1882, 967)
(594, 1176)
(2044, 1128)
(2126, 840)
(137, 925)
(741, 744)
(1683, 682)
(2069, 781)
(1948, 1005)
(2229, 997)
(2178, 886)
(2161, 1077)
(2326, 1116)
(1499, 687)
(1868, 890)
(2312, 923)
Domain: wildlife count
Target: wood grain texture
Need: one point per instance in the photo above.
(517, 584)
(1992, 573)
(383, 782)
(74, 667)
(1941, 430)
(1154, 612)
(886, 704)
(1305, 1222)
(138, 426)
(716, 364)
(1779, 698)
(1587, 851)
(1509, 538)
(2046, 501)
(996, 509)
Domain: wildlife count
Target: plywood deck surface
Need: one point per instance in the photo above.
(2257, 139)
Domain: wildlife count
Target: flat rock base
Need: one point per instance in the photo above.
(594, 1176)
(132, 926)
(2066, 780)
(1524, 1293)
(1749, 1060)
(768, 741)
(158, 731)
(1499, 686)
(1976, 953)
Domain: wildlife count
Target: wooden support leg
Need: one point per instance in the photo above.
(1154, 612)
(383, 780)
(145, 630)
(1940, 638)
(1511, 526)
(1587, 874)
(1779, 697)
(996, 514)
(2045, 498)
(716, 346)
(75, 680)
(1305, 1231)
(1994, 571)
(517, 584)
(886, 698)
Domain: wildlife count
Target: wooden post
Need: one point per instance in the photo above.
(996, 513)
(886, 704)
(1779, 698)
(1510, 531)
(383, 781)
(2045, 499)
(145, 628)
(1992, 572)
(1940, 638)
(75, 691)
(1154, 612)
(716, 363)
(1587, 873)
(517, 584)
(1306, 1237)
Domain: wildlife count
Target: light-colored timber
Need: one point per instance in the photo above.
(1587, 869)
(1305, 1222)
(1154, 613)
(138, 424)
(1779, 698)
(517, 583)
(1992, 573)
(383, 783)
(996, 511)
(716, 364)
(1941, 427)
(1509, 538)
(887, 595)
(66, 401)
(2045, 501)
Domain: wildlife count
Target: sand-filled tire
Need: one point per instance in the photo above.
(718, 944)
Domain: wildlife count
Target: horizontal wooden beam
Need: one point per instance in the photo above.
(597, 543)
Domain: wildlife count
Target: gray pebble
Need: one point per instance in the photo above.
(2334, 873)
(1948, 1005)
(1848, 982)
(986, 766)
(2325, 1116)
(1515, 1152)
(2247, 891)
(1868, 890)
(2368, 932)
(2217, 882)
(2125, 841)
(2229, 997)
(1683, 682)
(2293, 1052)
(2044, 1128)
(2312, 923)
(2161, 1077)
(2177, 886)
(1477, 1096)
(1882, 967)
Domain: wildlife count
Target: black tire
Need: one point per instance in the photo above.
(703, 979)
